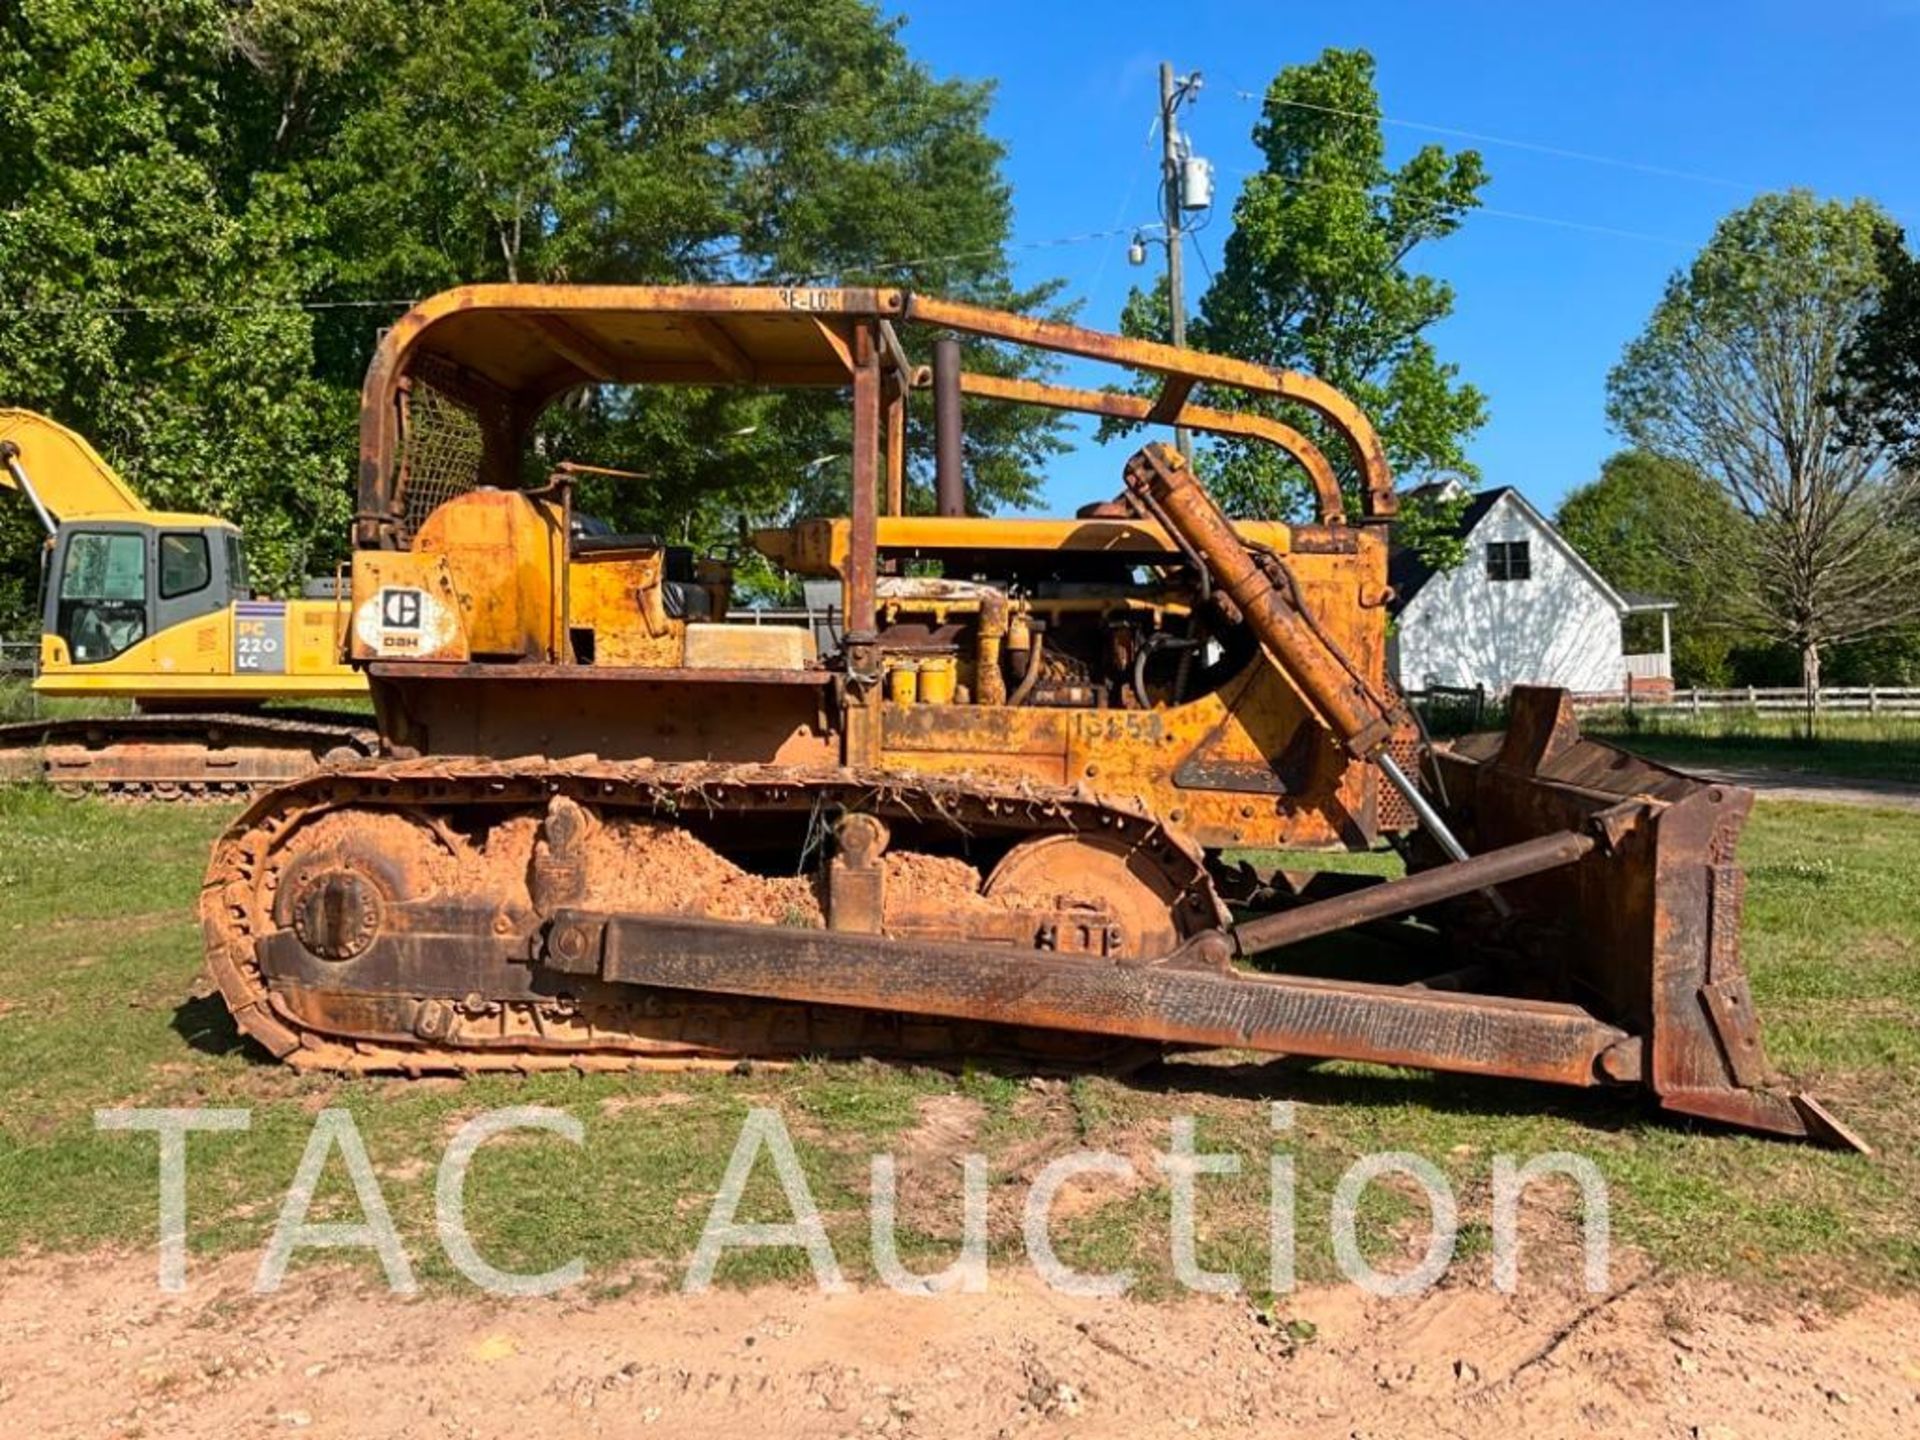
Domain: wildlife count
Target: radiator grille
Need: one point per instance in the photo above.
(1394, 811)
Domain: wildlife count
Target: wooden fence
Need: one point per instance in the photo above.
(19, 657)
(1828, 700)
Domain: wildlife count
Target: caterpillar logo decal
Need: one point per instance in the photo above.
(402, 621)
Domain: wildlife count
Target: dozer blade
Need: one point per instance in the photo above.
(1645, 930)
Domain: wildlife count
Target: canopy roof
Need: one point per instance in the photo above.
(506, 351)
(536, 340)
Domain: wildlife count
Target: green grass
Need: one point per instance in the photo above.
(18, 701)
(99, 954)
(1863, 747)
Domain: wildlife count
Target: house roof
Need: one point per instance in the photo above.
(1408, 572)
(1641, 602)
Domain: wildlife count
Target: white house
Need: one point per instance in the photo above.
(1522, 608)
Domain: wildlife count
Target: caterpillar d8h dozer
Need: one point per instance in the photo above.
(979, 812)
(154, 607)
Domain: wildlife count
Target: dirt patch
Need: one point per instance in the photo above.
(1813, 788)
(422, 856)
(658, 866)
(620, 1104)
(933, 882)
(930, 1160)
(88, 1348)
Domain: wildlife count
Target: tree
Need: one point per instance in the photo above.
(737, 141)
(1658, 526)
(1878, 394)
(154, 303)
(212, 208)
(1734, 376)
(1315, 277)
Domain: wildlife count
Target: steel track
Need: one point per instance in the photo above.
(180, 757)
(650, 1029)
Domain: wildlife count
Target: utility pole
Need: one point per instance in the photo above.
(1186, 183)
(1173, 199)
(1170, 208)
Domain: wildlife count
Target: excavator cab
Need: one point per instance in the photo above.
(112, 584)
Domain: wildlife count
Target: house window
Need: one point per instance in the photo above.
(1509, 560)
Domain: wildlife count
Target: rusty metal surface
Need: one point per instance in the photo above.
(517, 347)
(949, 460)
(509, 710)
(184, 756)
(1362, 719)
(1398, 897)
(440, 941)
(863, 673)
(427, 670)
(1331, 508)
(464, 910)
(1649, 925)
(1346, 418)
(1179, 1002)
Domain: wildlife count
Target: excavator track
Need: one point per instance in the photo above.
(179, 756)
(390, 916)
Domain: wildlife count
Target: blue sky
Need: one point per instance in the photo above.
(1743, 96)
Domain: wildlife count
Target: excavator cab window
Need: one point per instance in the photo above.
(103, 593)
(236, 567)
(185, 565)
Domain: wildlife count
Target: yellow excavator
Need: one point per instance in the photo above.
(154, 607)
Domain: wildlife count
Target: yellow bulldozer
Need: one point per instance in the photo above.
(989, 808)
(154, 607)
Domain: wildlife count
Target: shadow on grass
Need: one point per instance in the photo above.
(208, 1027)
(1297, 1078)
(1855, 757)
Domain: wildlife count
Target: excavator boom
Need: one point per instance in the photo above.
(68, 479)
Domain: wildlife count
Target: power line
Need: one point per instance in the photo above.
(1126, 200)
(1049, 244)
(195, 307)
(1481, 137)
(1557, 222)
(191, 307)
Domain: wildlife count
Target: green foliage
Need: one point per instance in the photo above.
(151, 293)
(1429, 525)
(1660, 527)
(1879, 391)
(1888, 657)
(1315, 277)
(1735, 377)
(189, 179)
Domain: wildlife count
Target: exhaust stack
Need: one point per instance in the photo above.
(949, 472)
